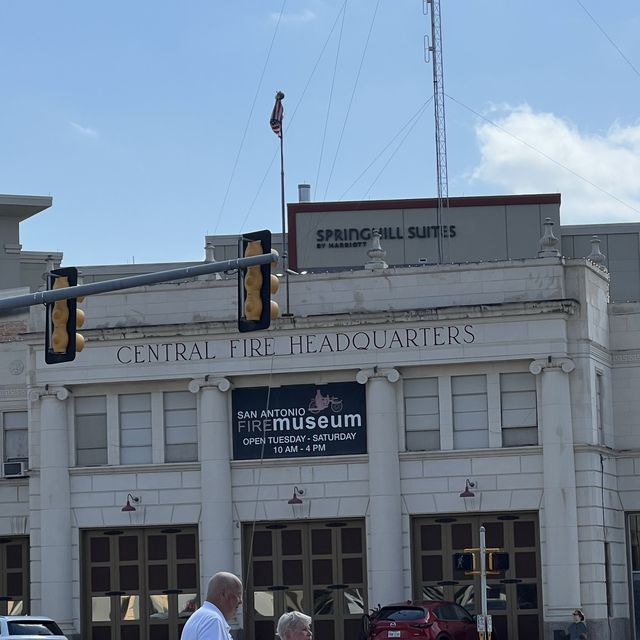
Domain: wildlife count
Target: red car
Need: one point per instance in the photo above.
(428, 620)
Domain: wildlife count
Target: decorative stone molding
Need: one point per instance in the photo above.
(376, 253)
(35, 393)
(392, 375)
(196, 384)
(596, 255)
(16, 367)
(626, 356)
(548, 243)
(565, 364)
(13, 393)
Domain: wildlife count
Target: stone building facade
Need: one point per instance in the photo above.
(323, 460)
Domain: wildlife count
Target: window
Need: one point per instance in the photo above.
(15, 430)
(422, 415)
(519, 415)
(470, 415)
(91, 430)
(135, 428)
(14, 576)
(180, 427)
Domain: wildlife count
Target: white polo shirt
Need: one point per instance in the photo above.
(207, 623)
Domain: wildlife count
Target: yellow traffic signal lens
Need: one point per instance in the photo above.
(79, 342)
(275, 310)
(80, 316)
(60, 313)
(253, 279)
(253, 248)
(275, 284)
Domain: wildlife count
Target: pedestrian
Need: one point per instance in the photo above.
(294, 625)
(210, 621)
(578, 628)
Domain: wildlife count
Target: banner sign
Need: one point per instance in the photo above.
(299, 421)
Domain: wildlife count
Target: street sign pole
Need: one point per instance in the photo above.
(485, 626)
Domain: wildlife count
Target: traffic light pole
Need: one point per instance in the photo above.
(117, 284)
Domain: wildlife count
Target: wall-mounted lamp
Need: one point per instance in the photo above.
(130, 498)
(296, 493)
(467, 493)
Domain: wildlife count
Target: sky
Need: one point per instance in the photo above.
(147, 122)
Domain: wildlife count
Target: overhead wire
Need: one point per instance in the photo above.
(390, 158)
(333, 81)
(246, 127)
(353, 93)
(606, 35)
(289, 120)
(544, 155)
(416, 115)
(258, 483)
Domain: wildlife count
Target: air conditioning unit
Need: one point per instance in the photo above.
(14, 469)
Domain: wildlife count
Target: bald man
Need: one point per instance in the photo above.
(210, 621)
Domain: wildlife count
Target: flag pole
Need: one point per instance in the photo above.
(285, 243)
(276, 125)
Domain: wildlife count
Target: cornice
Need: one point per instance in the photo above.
(503, 310)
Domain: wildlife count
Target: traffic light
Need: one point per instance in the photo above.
(497, 561)
(464, 562)
(63, 318)
(256, 285)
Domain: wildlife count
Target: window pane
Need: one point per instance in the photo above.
(519, 437)
(422, 414)
(423, 440)
(91, 430)
(91, 457)
(524, 533)
(181, 453)
(15, 420)
(135, 428)
(135, 455)
(291, 542)
(471, 439)
(518, 409)
(16, 445)
(470, 415)
(180, 424)
(430, 537)
(135, 402)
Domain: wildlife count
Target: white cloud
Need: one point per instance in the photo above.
(85, 131)
(610, 160)
(306, 15)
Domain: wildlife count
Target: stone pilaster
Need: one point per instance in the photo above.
(216, 525)
(385, 556)
(559, 525)
(55, 506)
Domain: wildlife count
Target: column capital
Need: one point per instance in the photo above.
(223, 384)
(61, 393)
(391, 374)
(566, 365)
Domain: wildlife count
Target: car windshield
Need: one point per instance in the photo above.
(399, 614)
(33, 628)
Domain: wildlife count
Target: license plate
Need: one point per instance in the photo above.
(393, 634)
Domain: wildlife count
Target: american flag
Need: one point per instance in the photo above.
(276, 115)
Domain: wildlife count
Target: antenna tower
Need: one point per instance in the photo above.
(435, 48)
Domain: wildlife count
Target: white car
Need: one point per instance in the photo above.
(29, 628)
